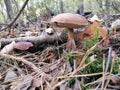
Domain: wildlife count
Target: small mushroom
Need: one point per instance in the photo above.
(69, 21)
(95, 18)
(23, 45)
(49, 31)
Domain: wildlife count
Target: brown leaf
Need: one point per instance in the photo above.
(115, 79)
(36, 82)
(22, 84)
(78, 61)
(92, 30)
(47, 55)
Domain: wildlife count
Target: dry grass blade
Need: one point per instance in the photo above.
(100, 79)
(108, 80)
(60, 83)
(84, 75)
(103, 72)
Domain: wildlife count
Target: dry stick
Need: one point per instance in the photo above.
(103, 72)
(84, 75)
(108, 59)
(103, 78)
(3, 24)
(34, 39)
(18, 14)
(107, 64)
(108, 80)
(100, 79)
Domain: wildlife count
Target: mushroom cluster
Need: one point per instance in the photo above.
(71, 22)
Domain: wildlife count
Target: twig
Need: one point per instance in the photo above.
(106, 68)
(114, 6)
(3, 24)
(34, 39)
(84, 75)
(18, 14)
(108, 59)
(100, 79)
(103, 72)
(108, 80)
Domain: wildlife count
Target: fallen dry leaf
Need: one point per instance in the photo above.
(114, 55)
(11, 75)
(47, 55)
(36, 82)
(92, 30)
(22, 84)
(8, 48)
(115, 79)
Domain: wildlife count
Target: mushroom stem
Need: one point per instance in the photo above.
(71, 42)
(70, 33)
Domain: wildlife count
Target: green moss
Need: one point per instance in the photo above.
(71, 82)
(85, 87)
(90, 43)
(94, 67)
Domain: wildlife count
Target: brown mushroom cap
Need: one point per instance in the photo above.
(69, 20)
(23, 45)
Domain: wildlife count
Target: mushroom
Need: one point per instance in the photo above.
(23, 45)
(69, 21)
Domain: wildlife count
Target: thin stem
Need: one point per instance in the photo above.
(70, 33)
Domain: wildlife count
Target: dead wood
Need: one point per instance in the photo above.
(43, 38)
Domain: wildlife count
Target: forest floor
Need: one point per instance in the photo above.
(49, 65)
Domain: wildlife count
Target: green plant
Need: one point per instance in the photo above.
(71, 82)
(116, 69)
(70, 57)
(85, 87)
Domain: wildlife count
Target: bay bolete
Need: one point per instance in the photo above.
(69, 21)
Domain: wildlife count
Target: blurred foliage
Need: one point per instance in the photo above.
(38, 7)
